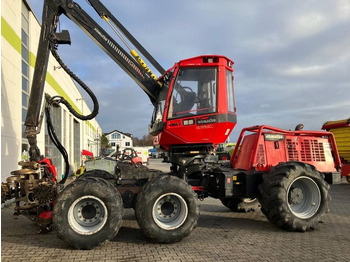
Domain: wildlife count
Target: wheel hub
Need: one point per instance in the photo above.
(87, 215)
(89, 212)
(304, 197)
(296, 196)
(170, 211)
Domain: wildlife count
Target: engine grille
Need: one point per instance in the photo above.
(292, 150)
(312, 150)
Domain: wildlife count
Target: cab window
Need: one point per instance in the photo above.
(194, 92)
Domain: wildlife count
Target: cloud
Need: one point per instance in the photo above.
(292, 58)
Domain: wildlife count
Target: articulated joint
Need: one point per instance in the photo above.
(34, 151)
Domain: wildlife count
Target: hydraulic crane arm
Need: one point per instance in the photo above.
(133, 65)
(104, 12)
(74, 12)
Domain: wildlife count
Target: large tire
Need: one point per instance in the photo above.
(240, 204)
(294, 196)
(167, 209)
(88, 212)
(97, 173)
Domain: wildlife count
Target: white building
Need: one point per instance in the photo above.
(119, 140)
(20, 32)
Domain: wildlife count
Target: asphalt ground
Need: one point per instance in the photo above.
(221, 235)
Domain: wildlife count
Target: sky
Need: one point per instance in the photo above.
(292, 58)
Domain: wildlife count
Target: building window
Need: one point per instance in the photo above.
(127, 143)
(115, 136)
(25, 68)
(70, 145)
(76, 135)
(64, 130)
(112, 144)
(50, 149)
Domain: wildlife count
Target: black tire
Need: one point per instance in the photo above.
(294, 196)
(87, 213)
(167, 209)
(240, 204)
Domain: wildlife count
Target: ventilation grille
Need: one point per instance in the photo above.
(312, 150)
(292, 150)
(306, 151)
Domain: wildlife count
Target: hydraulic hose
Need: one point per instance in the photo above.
(81, 83)
(59, 99)
(57, 143)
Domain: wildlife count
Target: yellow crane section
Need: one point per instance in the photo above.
(341, 131)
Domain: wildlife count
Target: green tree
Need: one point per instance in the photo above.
(146, 140)
(104, 143)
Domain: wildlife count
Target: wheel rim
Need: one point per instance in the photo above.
(304, 197)
(170, 211)
(87, 215)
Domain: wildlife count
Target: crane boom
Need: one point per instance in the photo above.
(104, 12)
(49, 39)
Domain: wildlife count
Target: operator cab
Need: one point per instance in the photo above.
(196, 105)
